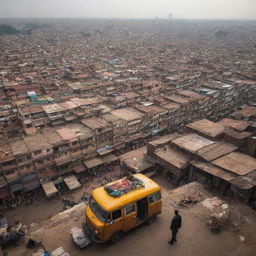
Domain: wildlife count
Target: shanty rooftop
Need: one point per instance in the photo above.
(245, 112)
(112, 118)
(36, 142)
(190, 94)
(216, 150)
(151, 109)
(192, 142)
(67, 134)
(207, 128)
(30, 110)
(172, 156)
(230, 133)
(95, 122)
(238, 125)
(213, 170)
(130, 95)
(217, 85)
(5, 153)
(160, 100)
(52, 136)
(52, 108)
(68, 105)
(86, 102)
(164, 139)
(104, 108)
(244, 182)
(19, 148)
(171, 106)
(177, 99)
(237, 163)
(136, 159)
(80, 130)
(129, 114)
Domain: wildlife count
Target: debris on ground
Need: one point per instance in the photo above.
(33, 243)
(242, 238)
(19, 227)
(13, 235)
(11, 238)
(218, 213)
(79, 237)
(3, 222)
(68, 203)
(85, 197)
(188, 200)
(41, 252)
(60, 252)
(193, 190)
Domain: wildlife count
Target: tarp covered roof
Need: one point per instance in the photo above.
(72, 182)
(49, 188)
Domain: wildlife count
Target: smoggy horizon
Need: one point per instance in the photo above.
(130, 9)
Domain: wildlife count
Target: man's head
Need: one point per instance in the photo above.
(176, 212)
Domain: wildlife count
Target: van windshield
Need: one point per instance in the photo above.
(97, 210)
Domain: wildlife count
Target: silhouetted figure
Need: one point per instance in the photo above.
(175, 225)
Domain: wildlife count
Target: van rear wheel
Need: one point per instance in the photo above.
(151, 219)
(116, 237)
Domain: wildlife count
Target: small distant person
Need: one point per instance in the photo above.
(175, 225)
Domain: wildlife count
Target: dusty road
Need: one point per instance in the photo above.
(43, 208)
(194, 238)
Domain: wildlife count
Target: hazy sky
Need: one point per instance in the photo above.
(206, 9)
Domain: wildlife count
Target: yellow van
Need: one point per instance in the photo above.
(120, 206)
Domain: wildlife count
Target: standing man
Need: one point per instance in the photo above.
(175, 225)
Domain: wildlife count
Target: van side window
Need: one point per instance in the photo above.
(154, 197)
(129, 209)
(116, 214)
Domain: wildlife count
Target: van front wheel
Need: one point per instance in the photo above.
(151, 219)
(116, 237)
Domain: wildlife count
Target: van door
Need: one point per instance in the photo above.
(114, 224)
(155, 204)
(130, 217)
(142, 210)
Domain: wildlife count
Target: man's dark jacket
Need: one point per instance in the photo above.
(176, 222)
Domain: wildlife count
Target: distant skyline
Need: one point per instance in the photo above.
(184, 9)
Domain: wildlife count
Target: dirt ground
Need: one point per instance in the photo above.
(43, 208)
(194, 238)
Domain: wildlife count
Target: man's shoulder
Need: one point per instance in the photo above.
(177, 218)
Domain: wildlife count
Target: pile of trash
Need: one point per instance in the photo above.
(188, 200)
(12, 236)
(124, 186)
(85, 197)
(68, 203)
(218, 213)
(58, 252)
(40, 252)
(79, 237)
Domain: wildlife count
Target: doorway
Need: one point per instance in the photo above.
(142, 209)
